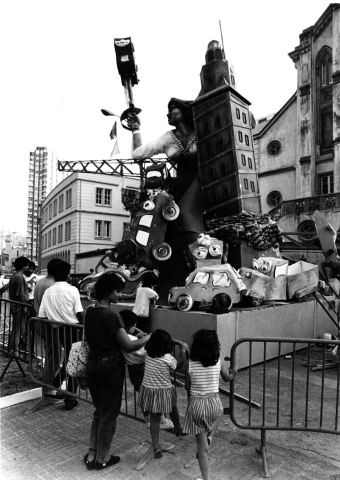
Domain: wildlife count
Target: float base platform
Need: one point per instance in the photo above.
(281, 319)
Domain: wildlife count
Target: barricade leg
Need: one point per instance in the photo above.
(265, 473)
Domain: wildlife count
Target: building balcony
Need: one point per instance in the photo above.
(307, 206)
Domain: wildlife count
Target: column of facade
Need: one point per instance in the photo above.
(336, 98)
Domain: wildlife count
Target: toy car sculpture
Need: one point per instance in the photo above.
(205, 284)
(273, 279)
(148, 228)
(132, 281)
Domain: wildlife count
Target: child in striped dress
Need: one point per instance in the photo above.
(204, 408)
(156, 394)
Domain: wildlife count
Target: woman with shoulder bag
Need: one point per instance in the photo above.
(106, 336)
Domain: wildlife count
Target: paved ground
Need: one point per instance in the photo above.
(51, 443)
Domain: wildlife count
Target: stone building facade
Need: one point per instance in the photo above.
(298, 149)
(83, 213)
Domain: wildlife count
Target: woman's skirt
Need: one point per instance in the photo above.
(202, 413)
(156, 400)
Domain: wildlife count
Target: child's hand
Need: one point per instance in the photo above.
(232, 373)
(141, 335)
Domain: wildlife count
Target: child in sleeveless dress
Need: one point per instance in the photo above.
(204, 408)
(157, 394)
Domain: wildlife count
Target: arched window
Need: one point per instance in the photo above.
(324, 110)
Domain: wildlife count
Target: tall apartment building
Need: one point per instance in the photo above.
(43, 177)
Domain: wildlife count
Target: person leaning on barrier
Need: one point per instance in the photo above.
(18, 292)
(48, 334)
(106, 336)
(61, 302)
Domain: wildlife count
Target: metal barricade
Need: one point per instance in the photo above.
(14, 340)
(277, 412)
(48, 358)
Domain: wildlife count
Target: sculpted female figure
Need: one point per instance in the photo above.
(180, 147)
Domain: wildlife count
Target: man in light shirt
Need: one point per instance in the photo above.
(61, 302)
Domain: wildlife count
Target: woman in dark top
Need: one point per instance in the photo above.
(106, 335)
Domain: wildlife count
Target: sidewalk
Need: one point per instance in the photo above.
(51, 444)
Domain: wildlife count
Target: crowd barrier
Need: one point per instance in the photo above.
(14, 337)
(276, 413)
(48, 358)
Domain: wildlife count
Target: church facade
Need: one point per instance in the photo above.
(297, 150)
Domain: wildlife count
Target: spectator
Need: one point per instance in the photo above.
(18, 292)
(144, 296)
(31, 280)
(61, 302)
(48, 334)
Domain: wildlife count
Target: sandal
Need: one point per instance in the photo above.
(90, 465)
(157, 453)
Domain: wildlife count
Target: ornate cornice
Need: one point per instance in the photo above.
(304, 160)
(336, 76)
(304, 89)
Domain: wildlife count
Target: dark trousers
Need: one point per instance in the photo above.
(67, 336)
(105, 374)
(52, 351)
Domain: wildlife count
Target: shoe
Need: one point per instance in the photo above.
(113, 460)
(166, 424)
(179, 432)
(157, 453)
(70, 404)
(90, 465)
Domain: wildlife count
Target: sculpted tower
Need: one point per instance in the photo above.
(223, 125)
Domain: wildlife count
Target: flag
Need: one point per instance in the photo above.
(115, 150)
(113, 133)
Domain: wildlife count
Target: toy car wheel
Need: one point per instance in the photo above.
(170, 212)
(162, 252)
(256, 301)
(184, 303)
(222, 300)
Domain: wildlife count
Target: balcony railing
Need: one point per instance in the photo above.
(306, 205)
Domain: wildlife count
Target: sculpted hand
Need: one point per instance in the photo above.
(133, 121)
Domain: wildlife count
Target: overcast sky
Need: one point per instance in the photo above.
(59, 70)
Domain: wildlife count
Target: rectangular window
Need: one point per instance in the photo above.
(244, 118)
(250, 163)
(54, 236)
(209, 79)
(206, 126)
(60, 233)
(247, 140)
(99, 196)
(45, 240)
(213, 196)
(243, 157)
(246, 184)
(55, 207)
(50, 211)
(326, 184)
(61, 202)
(68, 230)
(223, 168)
(252, 186)
(98, 233)
(49, 238)
(208, 149)
(69, 198)
(218, 121)
(107, 229)
(226, 193)
(220, 144)
(240, 136)
(107, 197)
(238, 115)
(211, 172)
